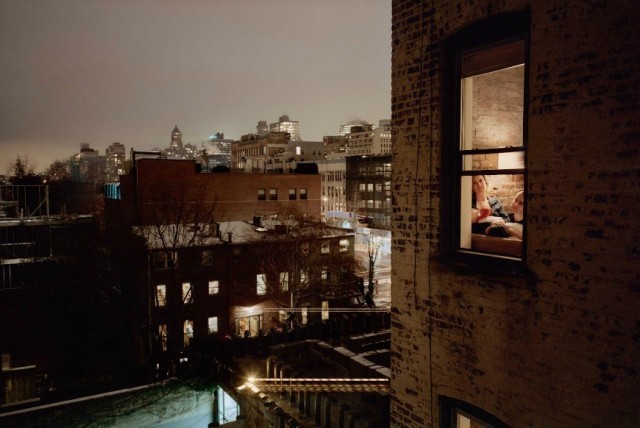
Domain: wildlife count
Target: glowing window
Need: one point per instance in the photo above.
(161, 295)
(214, 287)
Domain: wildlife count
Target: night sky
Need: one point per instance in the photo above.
(100, 71)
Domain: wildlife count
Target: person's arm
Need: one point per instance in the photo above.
(514, 230)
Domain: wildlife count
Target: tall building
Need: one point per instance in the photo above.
(262, 128)
(368, 189)
(115, 155)
(355, 126)
(284, 124)
(370, 141)
(527, 113)
(88, 165)
(178, 150)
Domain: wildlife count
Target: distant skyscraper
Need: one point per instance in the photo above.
(177, 150)
(88, 165)
(355, 126)
(176, 138)
(286, 125)
(115, 154)
(262, 128)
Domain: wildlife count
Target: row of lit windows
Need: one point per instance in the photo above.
(187, 293)
(187, 331)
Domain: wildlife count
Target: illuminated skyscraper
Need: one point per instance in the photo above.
(286, 125)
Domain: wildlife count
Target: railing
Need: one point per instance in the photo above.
(24, 201)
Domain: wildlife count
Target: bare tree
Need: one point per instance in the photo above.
(174, 216)
(302, 254)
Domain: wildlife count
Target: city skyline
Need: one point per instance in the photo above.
(113, 71)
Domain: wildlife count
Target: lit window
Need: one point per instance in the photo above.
(163, 335)
(214, 287)
(492, 150)
(187, 295)
(261, 284)
(284, 281)
(303, 193)
(303, 315)
(485, 142)
(273, 194)
(261, 195)
(161, 295)
(324, 248)
(187, 330)
(304, 278)
(325, 309)
(344, 245)
(213, 324)
(325, 273)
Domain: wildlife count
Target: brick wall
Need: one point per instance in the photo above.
(560, 345)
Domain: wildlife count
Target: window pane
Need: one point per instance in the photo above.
(303, 193)
(214, 287)
(493, 109)
(187, 296)
(213, 324)
(163, 334)
(187, 332)
(284, 281)
(488, 161)
(492, 213)
(261, 284)
(161, 295)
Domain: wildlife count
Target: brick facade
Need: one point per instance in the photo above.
(558, 345)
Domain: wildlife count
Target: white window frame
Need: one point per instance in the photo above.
(214, 287)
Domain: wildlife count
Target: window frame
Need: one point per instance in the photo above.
(261, 284)
(213, 285)
(215, 323)
(450, 407)
(491, 32)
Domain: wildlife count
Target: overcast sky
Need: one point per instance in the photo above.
(100, 71)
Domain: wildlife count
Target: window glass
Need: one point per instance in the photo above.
(261, 284)
(187, 295)
(207, 258)
(163, 335)
(492, 150)
(284, 281)
(292, 194)
(344, 245)
(303, 193)
(214, 287)
(161, 295)
(261, 194)
(187, 330)
(324, 248)
(273, 194)
(325, 309)
(213, 324)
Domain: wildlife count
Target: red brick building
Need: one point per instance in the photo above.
(539, 97)
(237, 196)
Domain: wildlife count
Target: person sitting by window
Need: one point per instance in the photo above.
(514, 227)
(486, 210)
